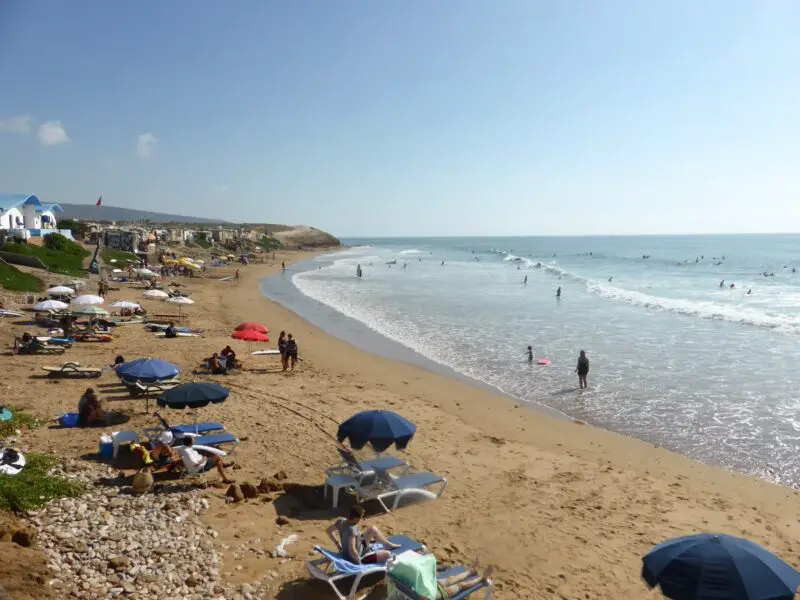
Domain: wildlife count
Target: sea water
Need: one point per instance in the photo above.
(678, 358)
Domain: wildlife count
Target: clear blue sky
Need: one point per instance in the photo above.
(413, 117)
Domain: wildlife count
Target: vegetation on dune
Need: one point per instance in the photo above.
(59, 254)
(33, 486)
(15, 280)
(119, 256)
(79, 230)
(270, 243)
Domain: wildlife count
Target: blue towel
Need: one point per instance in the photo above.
(343, 565)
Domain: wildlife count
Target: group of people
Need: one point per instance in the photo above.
(221, 362)
(287, 346)
(165, 454)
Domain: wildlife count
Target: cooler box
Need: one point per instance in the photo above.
(106, 447)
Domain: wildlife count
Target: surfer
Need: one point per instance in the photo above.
(530, 354)
(525, 281)
(558, 292)
(749, 291)
(582, 370)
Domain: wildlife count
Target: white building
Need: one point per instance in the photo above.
(26, 211)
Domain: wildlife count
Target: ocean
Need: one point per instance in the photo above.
(678, 358)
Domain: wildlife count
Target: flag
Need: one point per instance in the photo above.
(99, 201)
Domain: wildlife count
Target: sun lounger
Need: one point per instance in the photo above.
(333, 568)
(353, 474)
(72, 369)
(387, 488)
(91, 336)
(36, 347)
(137, 389)
(201, 428)
(403, 592)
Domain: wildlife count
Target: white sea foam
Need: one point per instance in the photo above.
(412, 251)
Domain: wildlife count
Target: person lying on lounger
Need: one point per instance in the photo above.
(355, 545)
(197, 463)
(450, 587)
(162, 452)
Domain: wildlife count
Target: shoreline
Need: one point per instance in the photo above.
(561, 508)
(282, 290)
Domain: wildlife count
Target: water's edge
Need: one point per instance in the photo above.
(280, 289)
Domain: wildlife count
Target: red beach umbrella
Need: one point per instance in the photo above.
(250, 336)
(250, 326)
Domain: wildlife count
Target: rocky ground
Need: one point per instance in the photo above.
(113, 543)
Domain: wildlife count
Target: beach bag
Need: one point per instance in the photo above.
(69, 419)
(412, 572)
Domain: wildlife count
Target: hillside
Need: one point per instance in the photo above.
(90, 212)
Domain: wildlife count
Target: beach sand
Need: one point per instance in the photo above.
(563, 510)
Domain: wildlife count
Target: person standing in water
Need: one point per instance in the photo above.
(582, 370)
(358, 271)
(525, 281)
(530, 354)
(558, 292)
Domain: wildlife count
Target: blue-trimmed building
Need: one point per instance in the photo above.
(26, 211)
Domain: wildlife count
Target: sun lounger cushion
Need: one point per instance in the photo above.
(382, 462)
(199, 428)
(216, 439)
(343, 565)
(417, 481)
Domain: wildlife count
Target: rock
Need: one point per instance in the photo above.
(23, 537)
(249, 490)
(142, 482)
(269, 485)
(119, 562)
(128, 587)
(191, 581)
(161, 551)
(281, 520)
(280, 476)
(235, 493)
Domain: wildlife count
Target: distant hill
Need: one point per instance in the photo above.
(90, 212)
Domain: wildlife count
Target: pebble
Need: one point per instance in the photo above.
(132, 546)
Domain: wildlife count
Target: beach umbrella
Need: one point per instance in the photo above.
(117, 271)
(147, 370)
(86, 300)
(90, 310)
(60, 290)
(125, 304)
(250, 335)
(75, 284)
(379, 428)
(156, 294)
(181, 301)
(194, 395)
(145, 271)
(718, 567)
(250, 326)
(51, 305)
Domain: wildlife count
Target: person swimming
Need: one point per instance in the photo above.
(749, 292)
(733, 286)
(530, 354)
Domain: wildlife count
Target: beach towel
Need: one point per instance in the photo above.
(417, 571)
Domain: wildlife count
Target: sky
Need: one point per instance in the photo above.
(412, 118)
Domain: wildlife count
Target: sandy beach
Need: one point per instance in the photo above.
(562, 510)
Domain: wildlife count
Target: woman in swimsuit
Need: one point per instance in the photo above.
(449, 587)
(582, 369)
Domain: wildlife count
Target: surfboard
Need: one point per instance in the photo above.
(543, 361)
(266, 352)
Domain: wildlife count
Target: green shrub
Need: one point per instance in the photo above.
(15, 280)
(68, 261)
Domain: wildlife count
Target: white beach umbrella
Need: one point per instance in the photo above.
(91, 310)
(145, 272)
(156, 294)
(117, 271)
(60, 290)
(51, 305)
(76, 284)
(86, 300)
(125, 304)
(181, 301)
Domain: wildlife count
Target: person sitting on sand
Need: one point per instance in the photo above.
(230, 357)
(90, 410)
(170, 331)
(118, 360)
(354, 544)
(215, 365)
(197, 463)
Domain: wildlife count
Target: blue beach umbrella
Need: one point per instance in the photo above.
(194, 395)
(379, 428)
(718, 567)
(147, 370)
